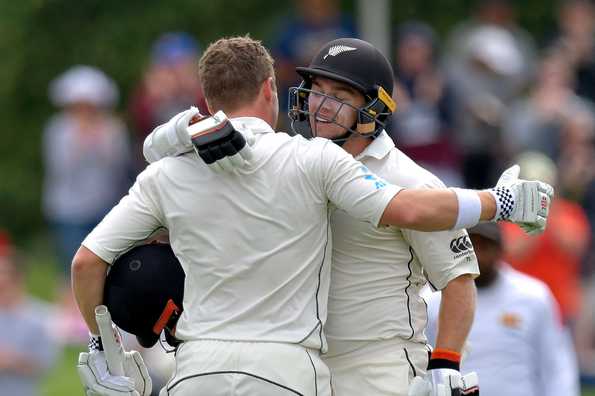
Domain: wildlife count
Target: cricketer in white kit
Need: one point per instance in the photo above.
(377, 318)
(256, 256)
(376, 321)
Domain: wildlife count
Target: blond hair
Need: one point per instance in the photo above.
(232, 71)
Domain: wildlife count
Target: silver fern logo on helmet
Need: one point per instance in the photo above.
(337, 49)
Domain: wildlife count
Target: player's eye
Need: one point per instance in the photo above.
(316, 88)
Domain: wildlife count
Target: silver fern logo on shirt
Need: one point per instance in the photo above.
(335, 50)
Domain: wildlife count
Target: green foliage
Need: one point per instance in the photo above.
(44, 274)
(40, 39)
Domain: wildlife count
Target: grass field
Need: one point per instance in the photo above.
(63, 380)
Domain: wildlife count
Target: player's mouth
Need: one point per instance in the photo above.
(322, 121)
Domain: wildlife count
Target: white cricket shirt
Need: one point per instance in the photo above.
(516, 345)
(377, 272)
(255, 246)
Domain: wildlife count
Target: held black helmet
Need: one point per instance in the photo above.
(358, 64)
(144, 290)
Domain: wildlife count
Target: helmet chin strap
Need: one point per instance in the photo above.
(340, 140)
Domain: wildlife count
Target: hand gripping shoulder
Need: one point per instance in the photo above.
(214, 138)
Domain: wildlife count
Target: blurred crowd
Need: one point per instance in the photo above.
(485, 95)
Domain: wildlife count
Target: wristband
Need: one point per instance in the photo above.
(444, 359)
(95, 343)
(469, 208)
(504, 202)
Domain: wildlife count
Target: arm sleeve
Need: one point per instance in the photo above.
(555, 359)
(135, 218)
(444, 255)
(352, 187)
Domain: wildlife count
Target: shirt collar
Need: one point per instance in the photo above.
(379, 148)
(254, 124)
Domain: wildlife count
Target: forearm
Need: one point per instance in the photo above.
(88, 279)
(431, 209)
(457, 309)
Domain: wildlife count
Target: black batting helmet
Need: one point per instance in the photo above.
(144, 290)
(360, 65)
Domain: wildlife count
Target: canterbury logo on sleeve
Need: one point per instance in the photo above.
(460, 244)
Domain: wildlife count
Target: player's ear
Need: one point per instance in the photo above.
(269, 89)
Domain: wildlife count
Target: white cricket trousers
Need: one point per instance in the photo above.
(375, 368)
(233, 368)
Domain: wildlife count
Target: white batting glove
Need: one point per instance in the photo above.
(523, 202)
(238, 160)
(220, 145)
(97, 380)
(170, 139)
(445, 382)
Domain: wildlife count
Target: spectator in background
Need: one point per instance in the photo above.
(485, 83)
(585, 334)
(553, 257)
(577, 156)
(517, 345)
(311, 25)
(576, 22)
(577, 182)
(87, 169)
(488, 59)
(27, 351)
(589, 206)
(536, 123)
(491, 13)
(170, 84)
(422, 125)
(560, 124)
